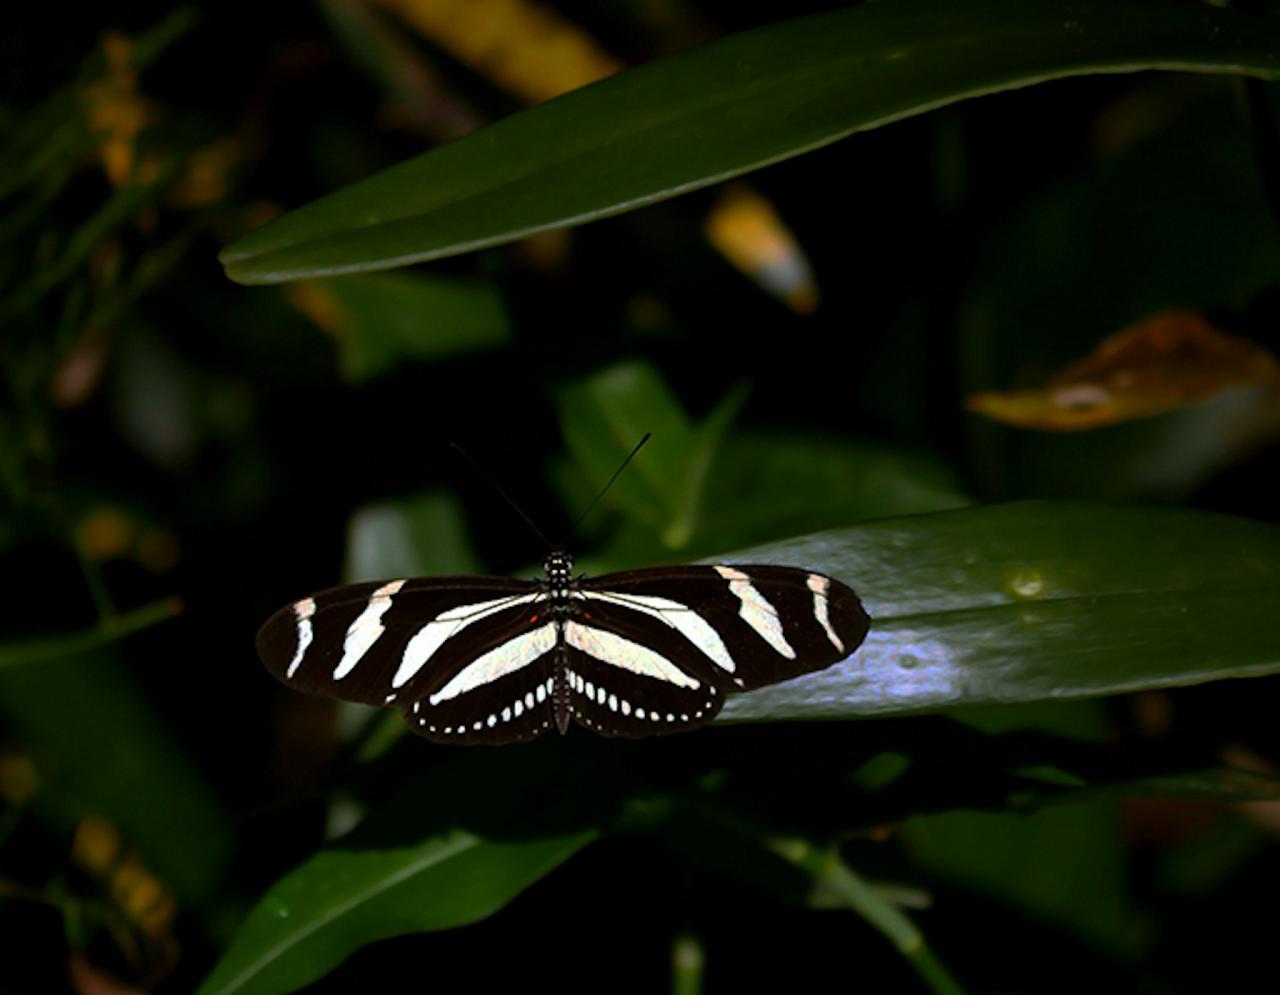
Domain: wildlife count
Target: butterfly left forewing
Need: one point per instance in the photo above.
(392, 641)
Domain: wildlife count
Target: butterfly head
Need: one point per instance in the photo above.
(558, 565)
(559, 568)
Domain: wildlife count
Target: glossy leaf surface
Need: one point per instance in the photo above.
(1035, 601)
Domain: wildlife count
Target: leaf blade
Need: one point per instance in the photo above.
(731, 106)
(373, 894)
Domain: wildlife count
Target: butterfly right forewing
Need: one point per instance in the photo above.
(753, 624)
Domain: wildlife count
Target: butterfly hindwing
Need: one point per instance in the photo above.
(614, 701)
(502, 695)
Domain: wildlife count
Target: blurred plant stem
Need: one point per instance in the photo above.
(688, 963)
(827, 867)
(97, 586)
(108, 630)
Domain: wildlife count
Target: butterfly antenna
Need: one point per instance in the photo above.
(505, 496)
(596, 500)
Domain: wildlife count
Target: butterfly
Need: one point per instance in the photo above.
(493, 660)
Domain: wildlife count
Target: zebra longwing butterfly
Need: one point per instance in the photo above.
(496, 660)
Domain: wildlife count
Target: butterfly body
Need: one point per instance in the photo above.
(495, 660)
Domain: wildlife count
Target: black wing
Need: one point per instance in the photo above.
(481, 660)
(460, 649)
(700, 632)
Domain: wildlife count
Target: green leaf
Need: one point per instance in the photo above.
(706, 442)
(1004, 856)
(730, 106)
(382, 321)
(341, 899)
(1223, 784)
(762, 485)
(1072, 719)
(1197, 867)
(604, 415)
(409, 537)
(1035, 601)
(441, 854)
(765, 485)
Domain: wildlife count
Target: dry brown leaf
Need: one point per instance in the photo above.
(1173, 360)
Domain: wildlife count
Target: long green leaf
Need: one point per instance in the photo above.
(442, 853)
(1035, 601)
(1084, 888)
(730, 106)
(339, 900)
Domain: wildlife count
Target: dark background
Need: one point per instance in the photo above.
(978, 247)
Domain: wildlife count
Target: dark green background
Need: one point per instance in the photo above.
(1025, 759)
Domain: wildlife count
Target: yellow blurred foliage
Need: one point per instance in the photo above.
(117, 115)
(141, 896)
(109, 532)
(105, 533)
(1170, 361)
(205, 180)
(547, 251)
(318, 303)
(96, 846)
(526, 48)
(158, 550)
(19, 779)
(746, 229)
(134, 888)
